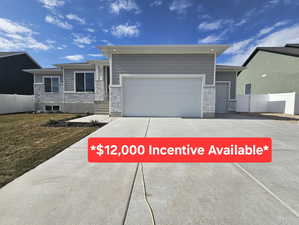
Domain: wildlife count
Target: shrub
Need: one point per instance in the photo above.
(95, 123)
(52, 122)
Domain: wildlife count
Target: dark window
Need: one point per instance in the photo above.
(48, 87)
(84, 82)
(80, 82)
(55, 107)
(51, 84)
(48, 108)
(248, 89)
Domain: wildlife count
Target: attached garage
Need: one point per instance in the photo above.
(162, 95)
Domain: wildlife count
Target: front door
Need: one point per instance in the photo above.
(222, 97)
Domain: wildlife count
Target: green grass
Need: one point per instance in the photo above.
(25, 143)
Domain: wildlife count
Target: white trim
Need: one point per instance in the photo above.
(162, 76)
(163, 49)
(215, 66)
(84, 92)
(63, 98)
(51, 76)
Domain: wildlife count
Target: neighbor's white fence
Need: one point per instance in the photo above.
(16, 103)
(287, 103)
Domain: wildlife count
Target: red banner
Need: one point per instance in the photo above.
(167, 150)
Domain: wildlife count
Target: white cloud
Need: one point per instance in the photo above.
(51, 4)
(74, 57)
(210, 26)
(11, 27)
(156, 3)
(125, 5)
(14, 36)
(95, 55)
(267, 30)
(76, 18)
(107, 42)
(274, 1)
(180, 6)
(236, 47)
(210, 39)
(125, 30)
(58, 22)
(274, 39)
(215, 25)
(82, 40)
(242, 22)
(91, 30)
(61, 47)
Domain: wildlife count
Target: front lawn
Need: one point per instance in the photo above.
(25, 143)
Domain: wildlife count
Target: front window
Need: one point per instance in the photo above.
(84, 82)
(51, 84)
(248, 89)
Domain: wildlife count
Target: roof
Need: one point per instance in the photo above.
(292, 45)
(7, 54)
(229, 68)
(84, 65)
(163, 49)
(44, 70)
(289, 49)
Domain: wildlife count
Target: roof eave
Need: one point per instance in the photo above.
(163, 49)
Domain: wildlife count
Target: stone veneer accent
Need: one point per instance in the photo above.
(209, 101)
(115, 101)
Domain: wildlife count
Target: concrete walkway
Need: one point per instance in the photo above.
(68, 190)
(88, 119)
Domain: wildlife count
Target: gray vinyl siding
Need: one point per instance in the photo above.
(228, 76)
(163, 64)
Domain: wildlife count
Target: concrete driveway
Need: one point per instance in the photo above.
(68, 190)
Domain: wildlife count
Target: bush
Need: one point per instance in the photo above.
(52, 122)
(95, 123)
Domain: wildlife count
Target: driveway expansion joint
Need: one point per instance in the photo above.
(293, 211)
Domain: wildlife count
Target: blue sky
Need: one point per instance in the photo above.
(57, 31)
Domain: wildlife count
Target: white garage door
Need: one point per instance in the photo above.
(163, 96)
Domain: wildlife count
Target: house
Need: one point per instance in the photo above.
(13, 80)
(270, 70)
(157, 81)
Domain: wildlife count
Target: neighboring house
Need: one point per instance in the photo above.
(168, 81)
(13, 80)
(270, 70)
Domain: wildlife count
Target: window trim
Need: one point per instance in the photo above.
(52, 92)
(75, 84)
(245, 88)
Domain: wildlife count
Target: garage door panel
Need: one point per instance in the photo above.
(165, 97)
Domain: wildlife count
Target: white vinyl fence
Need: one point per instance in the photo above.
(16, 103)
(287, 103)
